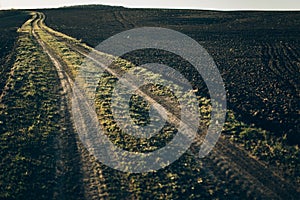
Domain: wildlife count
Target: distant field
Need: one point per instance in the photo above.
(257, 53)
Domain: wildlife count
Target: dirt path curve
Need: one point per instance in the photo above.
(251, 174)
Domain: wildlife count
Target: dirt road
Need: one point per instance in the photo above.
(226, 162)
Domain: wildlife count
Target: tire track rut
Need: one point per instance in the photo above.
(119, 16)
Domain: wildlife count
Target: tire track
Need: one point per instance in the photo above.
(119, 16)
(274, 60)
(293, 63)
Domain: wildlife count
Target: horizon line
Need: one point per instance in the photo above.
(146, 7)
